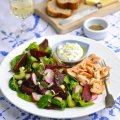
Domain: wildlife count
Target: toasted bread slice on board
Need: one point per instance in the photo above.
(54, 11)
(69, 4)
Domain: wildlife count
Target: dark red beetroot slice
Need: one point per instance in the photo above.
(58, 90)
(59, 77)
(86, 94)
(21, 62)
(37, 53)
(38, 90)
(27, 90)
(55, 66)
(43, 45)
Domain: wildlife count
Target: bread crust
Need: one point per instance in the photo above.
(54, 11)
(68, 4)
(57, 15)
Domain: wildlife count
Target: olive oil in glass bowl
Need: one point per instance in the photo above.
(96, 28)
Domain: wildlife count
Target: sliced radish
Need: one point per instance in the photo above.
(78, 88)
(94, 97)
(53, 92)
(39, 85)
(51, 84)
(47, 92)
(34, 78)
(42, 72)
(36, 97)
(58, 98)
(49, 75)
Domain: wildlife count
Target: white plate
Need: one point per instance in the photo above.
(110, 58)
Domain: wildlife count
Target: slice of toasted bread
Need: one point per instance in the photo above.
(54, 11)
(69, 4)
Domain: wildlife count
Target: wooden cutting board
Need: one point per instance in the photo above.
(110, 7)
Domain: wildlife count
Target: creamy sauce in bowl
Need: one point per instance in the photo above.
(70, 52)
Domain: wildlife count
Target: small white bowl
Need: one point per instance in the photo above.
(95, 34)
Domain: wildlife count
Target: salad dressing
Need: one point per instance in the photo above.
(70, 52)
(96, 27)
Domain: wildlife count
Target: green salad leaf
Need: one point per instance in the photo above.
(62, 104)
(44, 101)
(56, 102)
(33, 59)
(76, 97)
(71, 82)
(25, 96)
(66, 79)
(48, 50)
(32, 46)
(69, 78)
(15, 60)
(83, 103)
(71, 103)
(13, 84)
(29, 62)
(47, 61)
(21, 74)
(39, 69)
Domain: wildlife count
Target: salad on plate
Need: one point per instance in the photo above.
(39, 78)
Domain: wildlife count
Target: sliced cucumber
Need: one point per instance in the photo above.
(21, 75)
(71, 103)
(35, 65)
(27, 76)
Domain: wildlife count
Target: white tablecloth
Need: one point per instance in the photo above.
(38, 28)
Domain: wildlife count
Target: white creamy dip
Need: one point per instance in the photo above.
(70, 52)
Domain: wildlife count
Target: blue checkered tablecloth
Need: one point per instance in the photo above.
(39, 28)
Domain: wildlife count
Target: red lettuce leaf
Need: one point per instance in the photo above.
(21, 62)
(86, 94)
(37, 53)
(43, 46)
